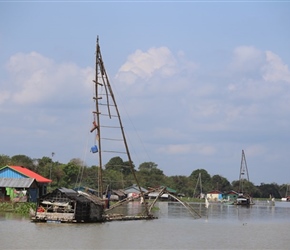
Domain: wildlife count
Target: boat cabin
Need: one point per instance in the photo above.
(242, 201)
(68, 205)
(245, 200)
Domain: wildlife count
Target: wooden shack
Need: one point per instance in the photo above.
(68, 205)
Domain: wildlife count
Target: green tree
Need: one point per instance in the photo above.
(150, 175)
(247, 188)
(58, 175)
(51, 170)
(267, 190)
(182, 184)
(126, 169)
(148, 166)
(4, 160)
(112, 179)
(90, 177)
(205, 179)
(115, 163)
(117, 174)
(220, 183)
(43, 166)
(71, 172)
(22, 160)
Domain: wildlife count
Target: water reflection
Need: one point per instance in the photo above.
(130, 209)
(226, 213)
(263, 227)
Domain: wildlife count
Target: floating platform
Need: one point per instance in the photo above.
(57, 218)
(120, 217)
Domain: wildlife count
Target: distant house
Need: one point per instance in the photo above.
(115, 195)
(133, 191)
(214, 195)
(231, 195)
(164, 196)
(118, 195)
(20, 184)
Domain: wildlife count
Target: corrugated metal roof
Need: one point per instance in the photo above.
(16, 182)
(170, 190)
(134, 189)
(71, 194)
(119, 192)
(67, 191)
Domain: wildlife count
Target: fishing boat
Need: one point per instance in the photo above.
(243, 199)
(68, 205)
(287, 194)
(106, 118)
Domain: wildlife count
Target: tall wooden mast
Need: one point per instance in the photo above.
(110, 110)
(96, 122)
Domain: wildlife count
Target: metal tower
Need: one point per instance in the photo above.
(244, 174)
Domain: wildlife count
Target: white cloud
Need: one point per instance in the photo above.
(28, 77)
(180, 149)
(246, 58)
(275, 70)
(4, 96)
(154, 62)
(259, 69)
(176, 149)
(168, 132)
(37, 79)
(179, 111)
(185, 107)
(255, 150)
(145, 64)
(27, 63)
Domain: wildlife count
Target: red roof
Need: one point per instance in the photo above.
(215, 192)
(30, 174)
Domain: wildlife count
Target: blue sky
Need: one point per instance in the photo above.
(196, 82)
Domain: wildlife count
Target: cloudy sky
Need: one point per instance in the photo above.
(196, 82)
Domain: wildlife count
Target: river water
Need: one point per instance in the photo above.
(261, 226)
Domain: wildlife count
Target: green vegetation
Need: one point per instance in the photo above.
(117, 175)
(20, 208)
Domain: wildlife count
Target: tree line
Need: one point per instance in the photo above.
(117, 175)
